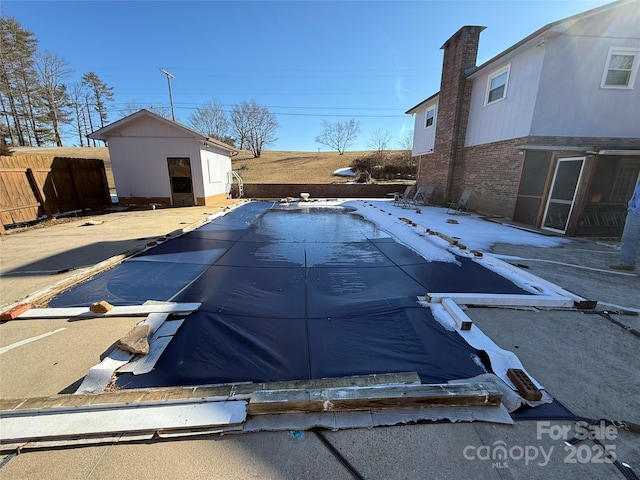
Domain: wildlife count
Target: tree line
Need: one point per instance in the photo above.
(36, 101)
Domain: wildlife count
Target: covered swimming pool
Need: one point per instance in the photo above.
(296, 292)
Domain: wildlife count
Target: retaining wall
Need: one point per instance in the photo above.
(333, 190)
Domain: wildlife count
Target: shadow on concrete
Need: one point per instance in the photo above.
(76, 258)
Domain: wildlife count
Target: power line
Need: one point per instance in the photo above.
(297, 107)
(337, 115)
(293, 114)
(184, 72)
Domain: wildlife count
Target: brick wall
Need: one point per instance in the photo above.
(430, 174)
(493, 172)
(439, 168)
(332, 190)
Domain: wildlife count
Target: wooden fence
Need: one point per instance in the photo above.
(36, 186)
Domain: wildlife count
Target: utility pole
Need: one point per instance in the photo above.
(169, 77)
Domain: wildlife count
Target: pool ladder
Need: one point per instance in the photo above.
(235, 175)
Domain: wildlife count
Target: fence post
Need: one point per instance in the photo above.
(38, 192)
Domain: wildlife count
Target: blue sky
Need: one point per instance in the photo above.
(307, 61)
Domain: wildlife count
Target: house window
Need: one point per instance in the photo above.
(431, 116)
(621, 68)
(497, 85)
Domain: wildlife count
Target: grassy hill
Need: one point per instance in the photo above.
(70, 152)
(293, 167)
(271, 167)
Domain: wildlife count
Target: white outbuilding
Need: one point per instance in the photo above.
(158, 161)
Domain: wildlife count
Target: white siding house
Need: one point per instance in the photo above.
(424, 128)
(510, 113)
(547, 132)
(156, 160)
(576, 101)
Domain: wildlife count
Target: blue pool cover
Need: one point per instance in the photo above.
(291, 294)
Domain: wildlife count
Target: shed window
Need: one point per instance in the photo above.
(431, 115)
(621, 68)
(497, 85)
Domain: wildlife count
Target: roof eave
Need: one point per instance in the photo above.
(545, 33)
(413, 109)
(232, 150)
(103, 133)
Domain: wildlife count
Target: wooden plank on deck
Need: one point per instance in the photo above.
(122, 311)
(373, 398)
(226, 390)
(462, 320)
(502, 300)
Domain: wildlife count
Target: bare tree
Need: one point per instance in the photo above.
(161, 110)
(406, 141)
(130, 108)
(379, 140)
(52, 70)
(211, 120)
(339, 135)
(254, 126)
(76, 97)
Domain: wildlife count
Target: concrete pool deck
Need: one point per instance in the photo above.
(586, 361)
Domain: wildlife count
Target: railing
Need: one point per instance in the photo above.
(230, 177)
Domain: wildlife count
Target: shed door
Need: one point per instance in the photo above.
(180, 181)
(563, 193)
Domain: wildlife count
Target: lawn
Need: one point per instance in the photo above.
(293, 167)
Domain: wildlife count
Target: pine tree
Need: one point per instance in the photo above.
(18, 82)
(100, 92)
(32, 96)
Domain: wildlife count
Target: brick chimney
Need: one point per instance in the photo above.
(460, 53)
